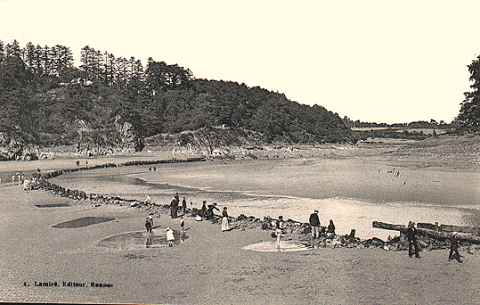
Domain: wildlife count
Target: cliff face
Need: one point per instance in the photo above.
(76, 119)
(15, 148)
(207, 140)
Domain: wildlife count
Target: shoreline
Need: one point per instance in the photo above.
(298, 228)
(209, 258)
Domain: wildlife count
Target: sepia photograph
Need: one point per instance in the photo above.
(240, 152)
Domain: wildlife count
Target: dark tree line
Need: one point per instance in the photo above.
(469, 116)
(44, 96)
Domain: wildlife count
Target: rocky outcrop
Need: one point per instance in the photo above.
(15, 148)
(127, 135)
(209, 141)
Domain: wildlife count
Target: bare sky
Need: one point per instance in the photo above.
(391, 61)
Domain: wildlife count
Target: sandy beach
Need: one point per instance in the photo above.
(210, 266)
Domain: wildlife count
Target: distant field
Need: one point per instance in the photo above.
(427, 131)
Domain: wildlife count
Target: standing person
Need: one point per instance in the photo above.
(173, 207)
(177, 197)
(150, 219)
(184, 206)
(315, 224)
(182, 229)
(148, 227)
(279, 228)
(225, 225)
(412, 240)
(203, 210)
(454, 249)
(170, 237)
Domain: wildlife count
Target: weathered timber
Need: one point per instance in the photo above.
(439, 235)
(464, 229)
(389, 226)
(449, 228)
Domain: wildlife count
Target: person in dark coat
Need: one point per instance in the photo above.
(203, 210)
(331, 230)
(148, 226)
(454, 249)
(173, 207)
(184, 206)
(315, 224)
(412, 240)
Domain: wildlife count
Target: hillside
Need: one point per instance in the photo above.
(110, 103)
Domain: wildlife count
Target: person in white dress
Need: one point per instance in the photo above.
(225, 224)
(170, 237)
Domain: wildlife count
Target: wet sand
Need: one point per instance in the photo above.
(353, 192)
(210, 267)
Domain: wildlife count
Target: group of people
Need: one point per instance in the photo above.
(168, 231)
(317, 230)
(413, 248)
(175, 204)
(207, 212)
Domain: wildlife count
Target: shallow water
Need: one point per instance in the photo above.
(351, 192)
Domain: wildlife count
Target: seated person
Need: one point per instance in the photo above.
(331, 230)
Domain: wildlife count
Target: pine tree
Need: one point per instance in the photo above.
(30, 56)
(13, 49)
(2, 51)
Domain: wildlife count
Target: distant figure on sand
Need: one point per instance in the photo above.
(26, 184)
(315, 224)
(454, 249)
(412, 240)
(170, 237)
(225, 225)
(149, 224)
(331, 230)
(182, 229)
(148, 200)
(174, 207)
(184, 206)
(148, 227)
(203, 210)
(280, 226)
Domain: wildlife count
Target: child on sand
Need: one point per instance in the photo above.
(170, 237)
